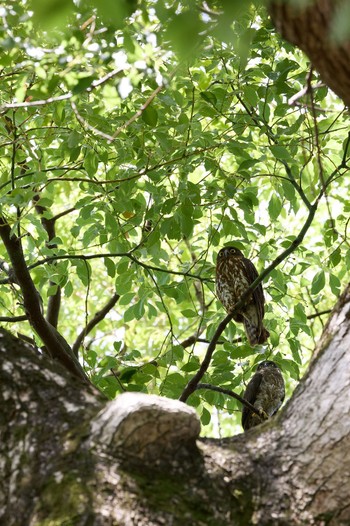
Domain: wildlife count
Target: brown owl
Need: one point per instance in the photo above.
(234, 274)
(265, 391)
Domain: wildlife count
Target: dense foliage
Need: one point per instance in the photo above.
(132, 150)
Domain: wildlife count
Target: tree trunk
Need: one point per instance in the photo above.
(312, 30)
(67, 456)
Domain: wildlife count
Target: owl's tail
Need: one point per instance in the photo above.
(251, 421)
(256, 334)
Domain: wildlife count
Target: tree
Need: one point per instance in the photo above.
(127, 165)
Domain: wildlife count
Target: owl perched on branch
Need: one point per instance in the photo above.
(265, 391)
(234, 274)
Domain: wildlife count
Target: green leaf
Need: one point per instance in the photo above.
(299, 312)
(275, 207)
(82, 84)
(91, 358)
(91, 163)
(291, 367)
(187, 207)
(83, 269)
(189, 313)
(127, 374)
(126, 298)
(318, 282)
(130, 314)
(173, 385)
(280, 152)
(74, 140)
(335, 257)
(150, 116)
(110, 266)
(205, 417)
(68, 289)
(250, 95)
(288, 191)
(51, 14)
(191, 365)
(183, 30)
(335, 285)
(123, 283)
(209, 96)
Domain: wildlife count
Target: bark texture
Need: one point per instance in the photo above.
(310, 29)
(67, 456)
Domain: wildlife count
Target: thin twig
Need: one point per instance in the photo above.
(229, 393)
(13, 319)
(138, 113)
(99, 316)
(83, 257)
(34, 103)
(85, 124)
(318, 314)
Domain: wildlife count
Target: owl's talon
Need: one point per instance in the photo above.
(263, 415)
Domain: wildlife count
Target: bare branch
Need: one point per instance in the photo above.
(13, 319)
(55, 344)
(99, 316)
(87, 257)
(138, 113)
(293, 100)
(42, 102)
(229, 393)
(87, 125)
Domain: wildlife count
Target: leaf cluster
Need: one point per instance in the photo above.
(131, 151)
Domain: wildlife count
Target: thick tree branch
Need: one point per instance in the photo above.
(55, 344)
(311, 28)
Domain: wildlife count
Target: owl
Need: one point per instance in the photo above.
(265, 391)
(234, 274)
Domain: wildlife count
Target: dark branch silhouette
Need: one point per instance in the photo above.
(13, 319)
(54, 342)
(230, 393)
(99, 316)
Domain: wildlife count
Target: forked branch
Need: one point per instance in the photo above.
(54, 342)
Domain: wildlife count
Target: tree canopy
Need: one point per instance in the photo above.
(133, 148)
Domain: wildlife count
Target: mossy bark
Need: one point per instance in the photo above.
(68, 456)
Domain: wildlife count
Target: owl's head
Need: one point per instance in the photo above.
(229, 252)
(266, 364)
